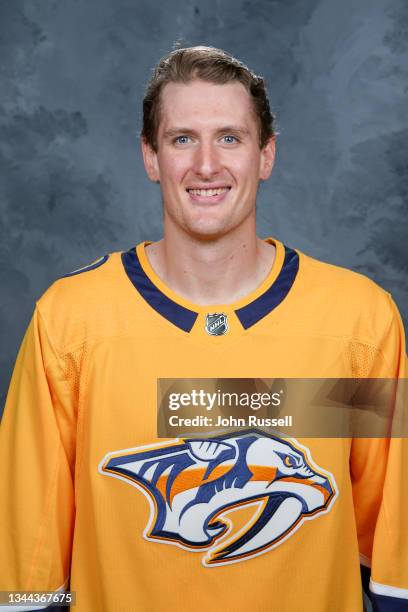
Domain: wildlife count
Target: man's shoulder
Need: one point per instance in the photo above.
(335, 280)
(79, 304)
(354, 304)
(81, 284)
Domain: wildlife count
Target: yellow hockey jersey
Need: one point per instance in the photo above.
(93, 500)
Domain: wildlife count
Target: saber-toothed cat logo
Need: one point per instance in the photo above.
(193, 484)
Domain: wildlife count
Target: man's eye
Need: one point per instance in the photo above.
(230, 139)
(181, 139)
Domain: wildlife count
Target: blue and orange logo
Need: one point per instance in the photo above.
(196, 487)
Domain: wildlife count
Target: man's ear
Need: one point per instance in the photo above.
(150, 161)
(267, 159)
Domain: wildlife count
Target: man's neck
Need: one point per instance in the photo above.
(209, 272)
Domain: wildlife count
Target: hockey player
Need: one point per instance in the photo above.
(95, 500)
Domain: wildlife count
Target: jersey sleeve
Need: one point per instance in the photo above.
(379, 473)
(37, 459)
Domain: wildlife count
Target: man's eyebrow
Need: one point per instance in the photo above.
(177, 131)
(238, 129)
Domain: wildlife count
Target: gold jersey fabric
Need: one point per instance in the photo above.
(84, 502)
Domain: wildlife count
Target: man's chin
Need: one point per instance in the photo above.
(206, 232)
(204, 227)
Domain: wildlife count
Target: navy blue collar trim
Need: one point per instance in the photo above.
(184, 318)
(178, 315)
(93, 266)
(259, 308)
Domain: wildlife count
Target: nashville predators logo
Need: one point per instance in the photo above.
(234, 496)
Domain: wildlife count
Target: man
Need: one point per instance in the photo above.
(275, 523)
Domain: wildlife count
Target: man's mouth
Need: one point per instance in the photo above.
(215, 194)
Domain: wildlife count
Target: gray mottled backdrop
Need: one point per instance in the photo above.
(72, 184)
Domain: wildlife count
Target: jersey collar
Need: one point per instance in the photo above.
(183, 314)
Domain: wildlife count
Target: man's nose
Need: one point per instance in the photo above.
(206, 160)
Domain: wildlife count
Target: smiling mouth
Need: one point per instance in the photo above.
(209, 192)
(208, 195)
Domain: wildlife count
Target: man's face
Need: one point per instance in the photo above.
(208, 162)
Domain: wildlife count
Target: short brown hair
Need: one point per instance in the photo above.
(208, 64)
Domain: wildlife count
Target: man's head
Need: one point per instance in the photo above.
(206, 64)
(208, 138)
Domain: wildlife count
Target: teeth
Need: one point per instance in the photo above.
(208, 192)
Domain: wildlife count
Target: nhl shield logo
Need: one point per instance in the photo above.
(216, 324)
